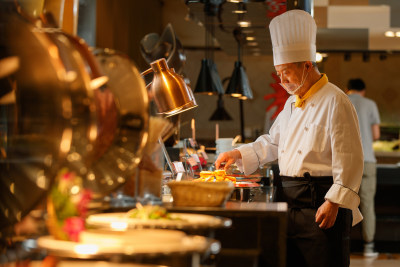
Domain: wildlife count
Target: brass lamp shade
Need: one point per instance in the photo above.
(168, 89)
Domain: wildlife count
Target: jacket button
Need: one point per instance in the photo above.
(299, 151)
(306, 128)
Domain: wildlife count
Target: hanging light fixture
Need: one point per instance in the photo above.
(239, 84)
(220, 114)
(209, 81)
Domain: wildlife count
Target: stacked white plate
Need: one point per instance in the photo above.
(223, 145)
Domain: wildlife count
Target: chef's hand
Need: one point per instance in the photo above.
(229, 158)
(326, 214)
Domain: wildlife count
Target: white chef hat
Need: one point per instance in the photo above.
(293, 36)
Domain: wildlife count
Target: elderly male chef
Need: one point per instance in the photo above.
(317, 143)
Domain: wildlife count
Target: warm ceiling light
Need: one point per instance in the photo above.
(319, 57)
(234, 1)
(250, 38)
(244, 23)
(239, 11)
(252, 44)
(389, 34)
(397, 34)
(236, 95)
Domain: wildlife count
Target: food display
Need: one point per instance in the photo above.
(215, 176)
(104, 244)
(153, 217)
(149, 212)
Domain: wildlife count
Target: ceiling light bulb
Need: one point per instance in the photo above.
(239, 11)
(236, 95)
(397, 34)
(250, 38)
(319, 57)
(252, 44)
(244, 23)
(389, 34)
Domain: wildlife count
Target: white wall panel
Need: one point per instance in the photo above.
(359, 16)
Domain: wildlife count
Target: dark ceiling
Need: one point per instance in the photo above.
(223, 21)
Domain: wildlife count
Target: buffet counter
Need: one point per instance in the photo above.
(257, 236)
(387, 204)
(387, 157)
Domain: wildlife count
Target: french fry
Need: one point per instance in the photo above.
(220, 172)
(206, 173)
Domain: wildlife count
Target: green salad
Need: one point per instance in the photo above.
(149, 212)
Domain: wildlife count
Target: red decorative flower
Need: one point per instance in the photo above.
(67, 176)
(73, 226)
(82, 205)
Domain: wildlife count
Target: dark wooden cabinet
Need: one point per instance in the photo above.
(257, 236)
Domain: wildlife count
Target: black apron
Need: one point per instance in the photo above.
(307, 244)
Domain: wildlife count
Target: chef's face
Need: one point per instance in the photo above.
(292, 76)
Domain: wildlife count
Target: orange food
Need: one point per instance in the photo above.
(216, 176)
(230, 178)
(220, 172)
(206, 173)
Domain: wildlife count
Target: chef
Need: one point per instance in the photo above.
(317, 143)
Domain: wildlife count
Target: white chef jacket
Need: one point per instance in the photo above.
(323, 139)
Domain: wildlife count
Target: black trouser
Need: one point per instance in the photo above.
(307, 244)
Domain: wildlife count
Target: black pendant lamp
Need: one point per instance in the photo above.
(209, 81)
(220, 114)
(239, 84)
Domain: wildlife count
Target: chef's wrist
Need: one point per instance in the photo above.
(333, 204)
(236, 154)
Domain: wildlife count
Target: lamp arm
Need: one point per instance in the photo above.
(148, 71)
(167, 158)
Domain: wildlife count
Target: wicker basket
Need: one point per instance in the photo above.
(200, 194)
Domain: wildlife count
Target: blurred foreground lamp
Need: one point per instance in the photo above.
(168, 89)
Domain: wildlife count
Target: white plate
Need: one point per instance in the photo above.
(131, 242)
(119, 221)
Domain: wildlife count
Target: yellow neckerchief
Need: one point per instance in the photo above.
(300, 101)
